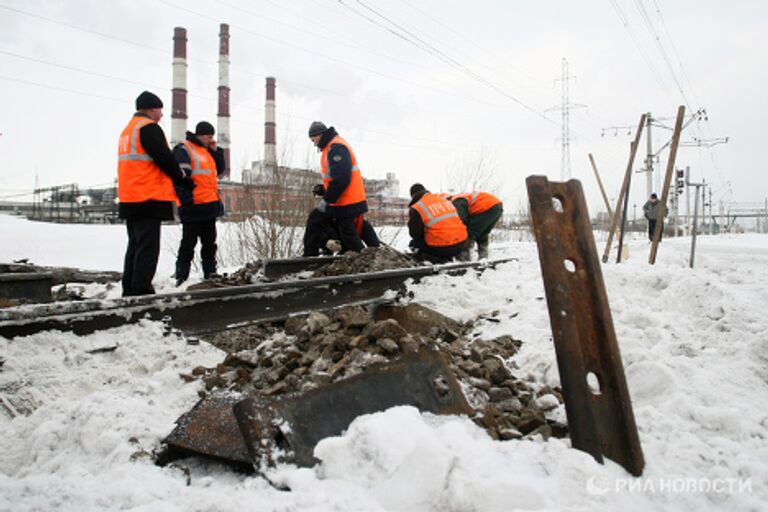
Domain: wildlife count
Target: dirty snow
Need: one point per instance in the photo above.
(693, 341)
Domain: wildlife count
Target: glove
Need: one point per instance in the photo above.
(187, 183)
(318, 190)
(321, 206)
(333, 245)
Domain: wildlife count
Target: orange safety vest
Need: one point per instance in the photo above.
(479, 202)
(203, 169)
(442, 225)
(139, 178)
(355, 191)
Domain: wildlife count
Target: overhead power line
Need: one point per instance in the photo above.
(329, 57)
(410, 37)
(655, 36)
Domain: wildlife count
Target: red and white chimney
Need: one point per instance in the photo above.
(179, 106)
(222, 128)
(270, 140)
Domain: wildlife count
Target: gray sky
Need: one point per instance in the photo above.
(70, 71)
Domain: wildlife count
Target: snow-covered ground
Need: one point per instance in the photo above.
(694, 344)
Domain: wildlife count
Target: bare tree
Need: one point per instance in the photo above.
(281, 199)
(476, 171)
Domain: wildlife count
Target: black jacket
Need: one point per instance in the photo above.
(188, 211)
(415, 224)
(153, 141)
(340, 171)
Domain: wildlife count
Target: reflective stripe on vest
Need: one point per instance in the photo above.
(355, 191)
(139, 178)
(203, 171)
(442, 225)
(479, 202)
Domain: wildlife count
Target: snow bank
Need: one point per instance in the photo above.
(693, 343)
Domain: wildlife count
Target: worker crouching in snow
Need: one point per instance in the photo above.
(480, 211)
(203, 161)
(343, 195)
(436, 230)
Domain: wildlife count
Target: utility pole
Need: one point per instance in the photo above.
(565, 112)
(649, 158)
(687, 201)
(703, 186)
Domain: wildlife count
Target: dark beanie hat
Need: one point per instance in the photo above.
(147, 100)
(204, 128)
(317, 128)
(416, 188)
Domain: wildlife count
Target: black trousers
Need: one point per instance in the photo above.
(652, 228)
(191, 231)
(319, 230)
(435, 254)
(348, 236)
(141, 256)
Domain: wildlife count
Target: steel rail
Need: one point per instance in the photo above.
(202, 311)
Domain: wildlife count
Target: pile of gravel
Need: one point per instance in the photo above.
(310, 351)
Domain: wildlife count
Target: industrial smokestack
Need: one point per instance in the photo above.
(179, 107)
(270, 140)
(222, 130)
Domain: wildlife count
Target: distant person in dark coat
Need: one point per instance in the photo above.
(146, 175)
(652, 210)
(203, 162)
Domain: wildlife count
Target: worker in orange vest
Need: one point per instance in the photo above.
(146, 174)
(436, 230)
(480, 211)
(344, 199)
(201, 160)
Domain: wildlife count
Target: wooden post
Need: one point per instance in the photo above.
(624, 187)
(623, 221)
(600, 184)
(667, 181)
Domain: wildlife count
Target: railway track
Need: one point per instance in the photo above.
(205, 311)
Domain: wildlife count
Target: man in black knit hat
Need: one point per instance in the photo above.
(203, 162)
(146, 175)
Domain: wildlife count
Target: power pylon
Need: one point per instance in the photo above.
(565, 113)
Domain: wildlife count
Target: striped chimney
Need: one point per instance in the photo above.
(270, 140)
(179, 91)
(222, 129)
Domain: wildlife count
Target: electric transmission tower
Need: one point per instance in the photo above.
(565, 128)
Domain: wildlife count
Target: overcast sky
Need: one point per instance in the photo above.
(70, 71)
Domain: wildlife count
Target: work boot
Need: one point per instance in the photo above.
(482, 250)
(182, 272)
(209, 269)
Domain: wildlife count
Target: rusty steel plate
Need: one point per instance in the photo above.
(210, 429)
(597, 401)
(288, 428)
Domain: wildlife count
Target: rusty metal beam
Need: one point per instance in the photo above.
(597, 403)
(288, 428)
(26, 286)
(277, 268)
